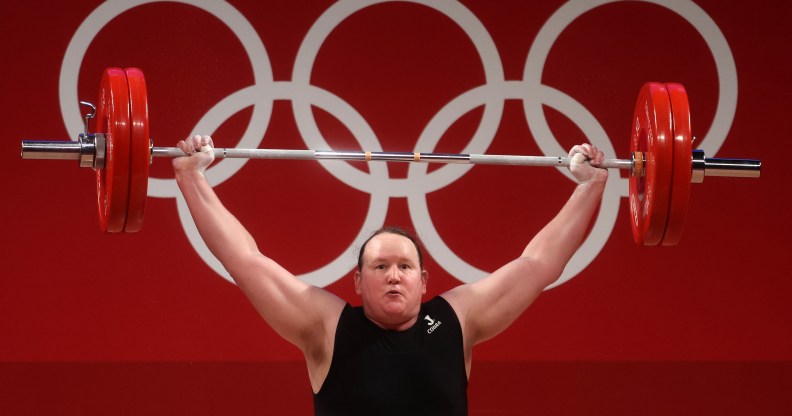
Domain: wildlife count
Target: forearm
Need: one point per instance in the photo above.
(490, 305)
(558, 241)
(223, 234)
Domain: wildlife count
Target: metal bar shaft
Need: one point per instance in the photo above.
(67, 150)
(390, 157)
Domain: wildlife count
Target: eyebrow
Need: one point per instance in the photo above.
(385, 260)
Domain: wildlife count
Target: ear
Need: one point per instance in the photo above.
(358, 276)
(424, 280)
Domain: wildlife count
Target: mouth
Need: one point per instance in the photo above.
(393, 293)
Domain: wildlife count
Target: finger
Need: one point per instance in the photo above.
(206, 144)
(195, 141)
(184, 146)
(599, 155)
(577, 149)
(193, 144)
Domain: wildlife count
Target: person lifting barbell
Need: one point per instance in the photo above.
(395, 354)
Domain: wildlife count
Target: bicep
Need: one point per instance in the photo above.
(300, 313)
(488, 306)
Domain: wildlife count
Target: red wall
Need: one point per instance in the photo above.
(92, 323)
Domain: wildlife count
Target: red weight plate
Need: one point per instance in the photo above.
(140, 149)
(112, 118)
(683, 164)
(651, 134)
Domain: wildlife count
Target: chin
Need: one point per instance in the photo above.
(394, 310)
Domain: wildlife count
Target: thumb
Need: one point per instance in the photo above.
(578, 159)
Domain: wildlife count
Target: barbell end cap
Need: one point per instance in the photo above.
(730, 168)
(733, 168)
(56, 150)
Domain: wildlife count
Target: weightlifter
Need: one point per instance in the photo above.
(395, 355)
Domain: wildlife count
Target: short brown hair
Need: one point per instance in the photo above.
(391, 230)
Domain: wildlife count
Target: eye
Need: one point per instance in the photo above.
(379, 267)
(405, 267)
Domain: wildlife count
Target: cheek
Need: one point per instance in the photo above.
(419, 283)
(369, 285)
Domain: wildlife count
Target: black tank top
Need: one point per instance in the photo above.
(419, 371)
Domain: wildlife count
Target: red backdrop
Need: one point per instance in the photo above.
(92, 323)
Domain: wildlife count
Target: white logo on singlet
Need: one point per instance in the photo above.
(432, 324)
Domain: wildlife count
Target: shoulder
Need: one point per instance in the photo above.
(437, 302)
(439, 308)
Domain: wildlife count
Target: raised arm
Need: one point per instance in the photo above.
(304, 315)
(490, 305)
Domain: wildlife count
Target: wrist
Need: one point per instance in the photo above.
(597, 180)
(188, 174)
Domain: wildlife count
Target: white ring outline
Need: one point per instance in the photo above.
(532, 75)
(223, 11)
(698, 19)
(378, 206)
(603, 224)
(378, 178)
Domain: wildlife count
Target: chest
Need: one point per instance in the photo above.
(421, 368)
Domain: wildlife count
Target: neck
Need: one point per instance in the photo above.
(392, 326)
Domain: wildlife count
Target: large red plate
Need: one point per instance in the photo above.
(649, 193)
(112, 181)
(140, 149)
(683, 164)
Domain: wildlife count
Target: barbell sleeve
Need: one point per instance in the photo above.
(62, 150)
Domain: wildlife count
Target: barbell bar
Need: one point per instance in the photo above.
(662, 166)
(78, 151)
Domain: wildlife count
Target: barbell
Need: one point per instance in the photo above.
(662, 161)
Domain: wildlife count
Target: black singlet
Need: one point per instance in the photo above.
(419, 371)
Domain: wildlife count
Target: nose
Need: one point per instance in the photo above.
(393, 276)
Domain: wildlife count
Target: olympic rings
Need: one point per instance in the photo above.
(491, 96)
